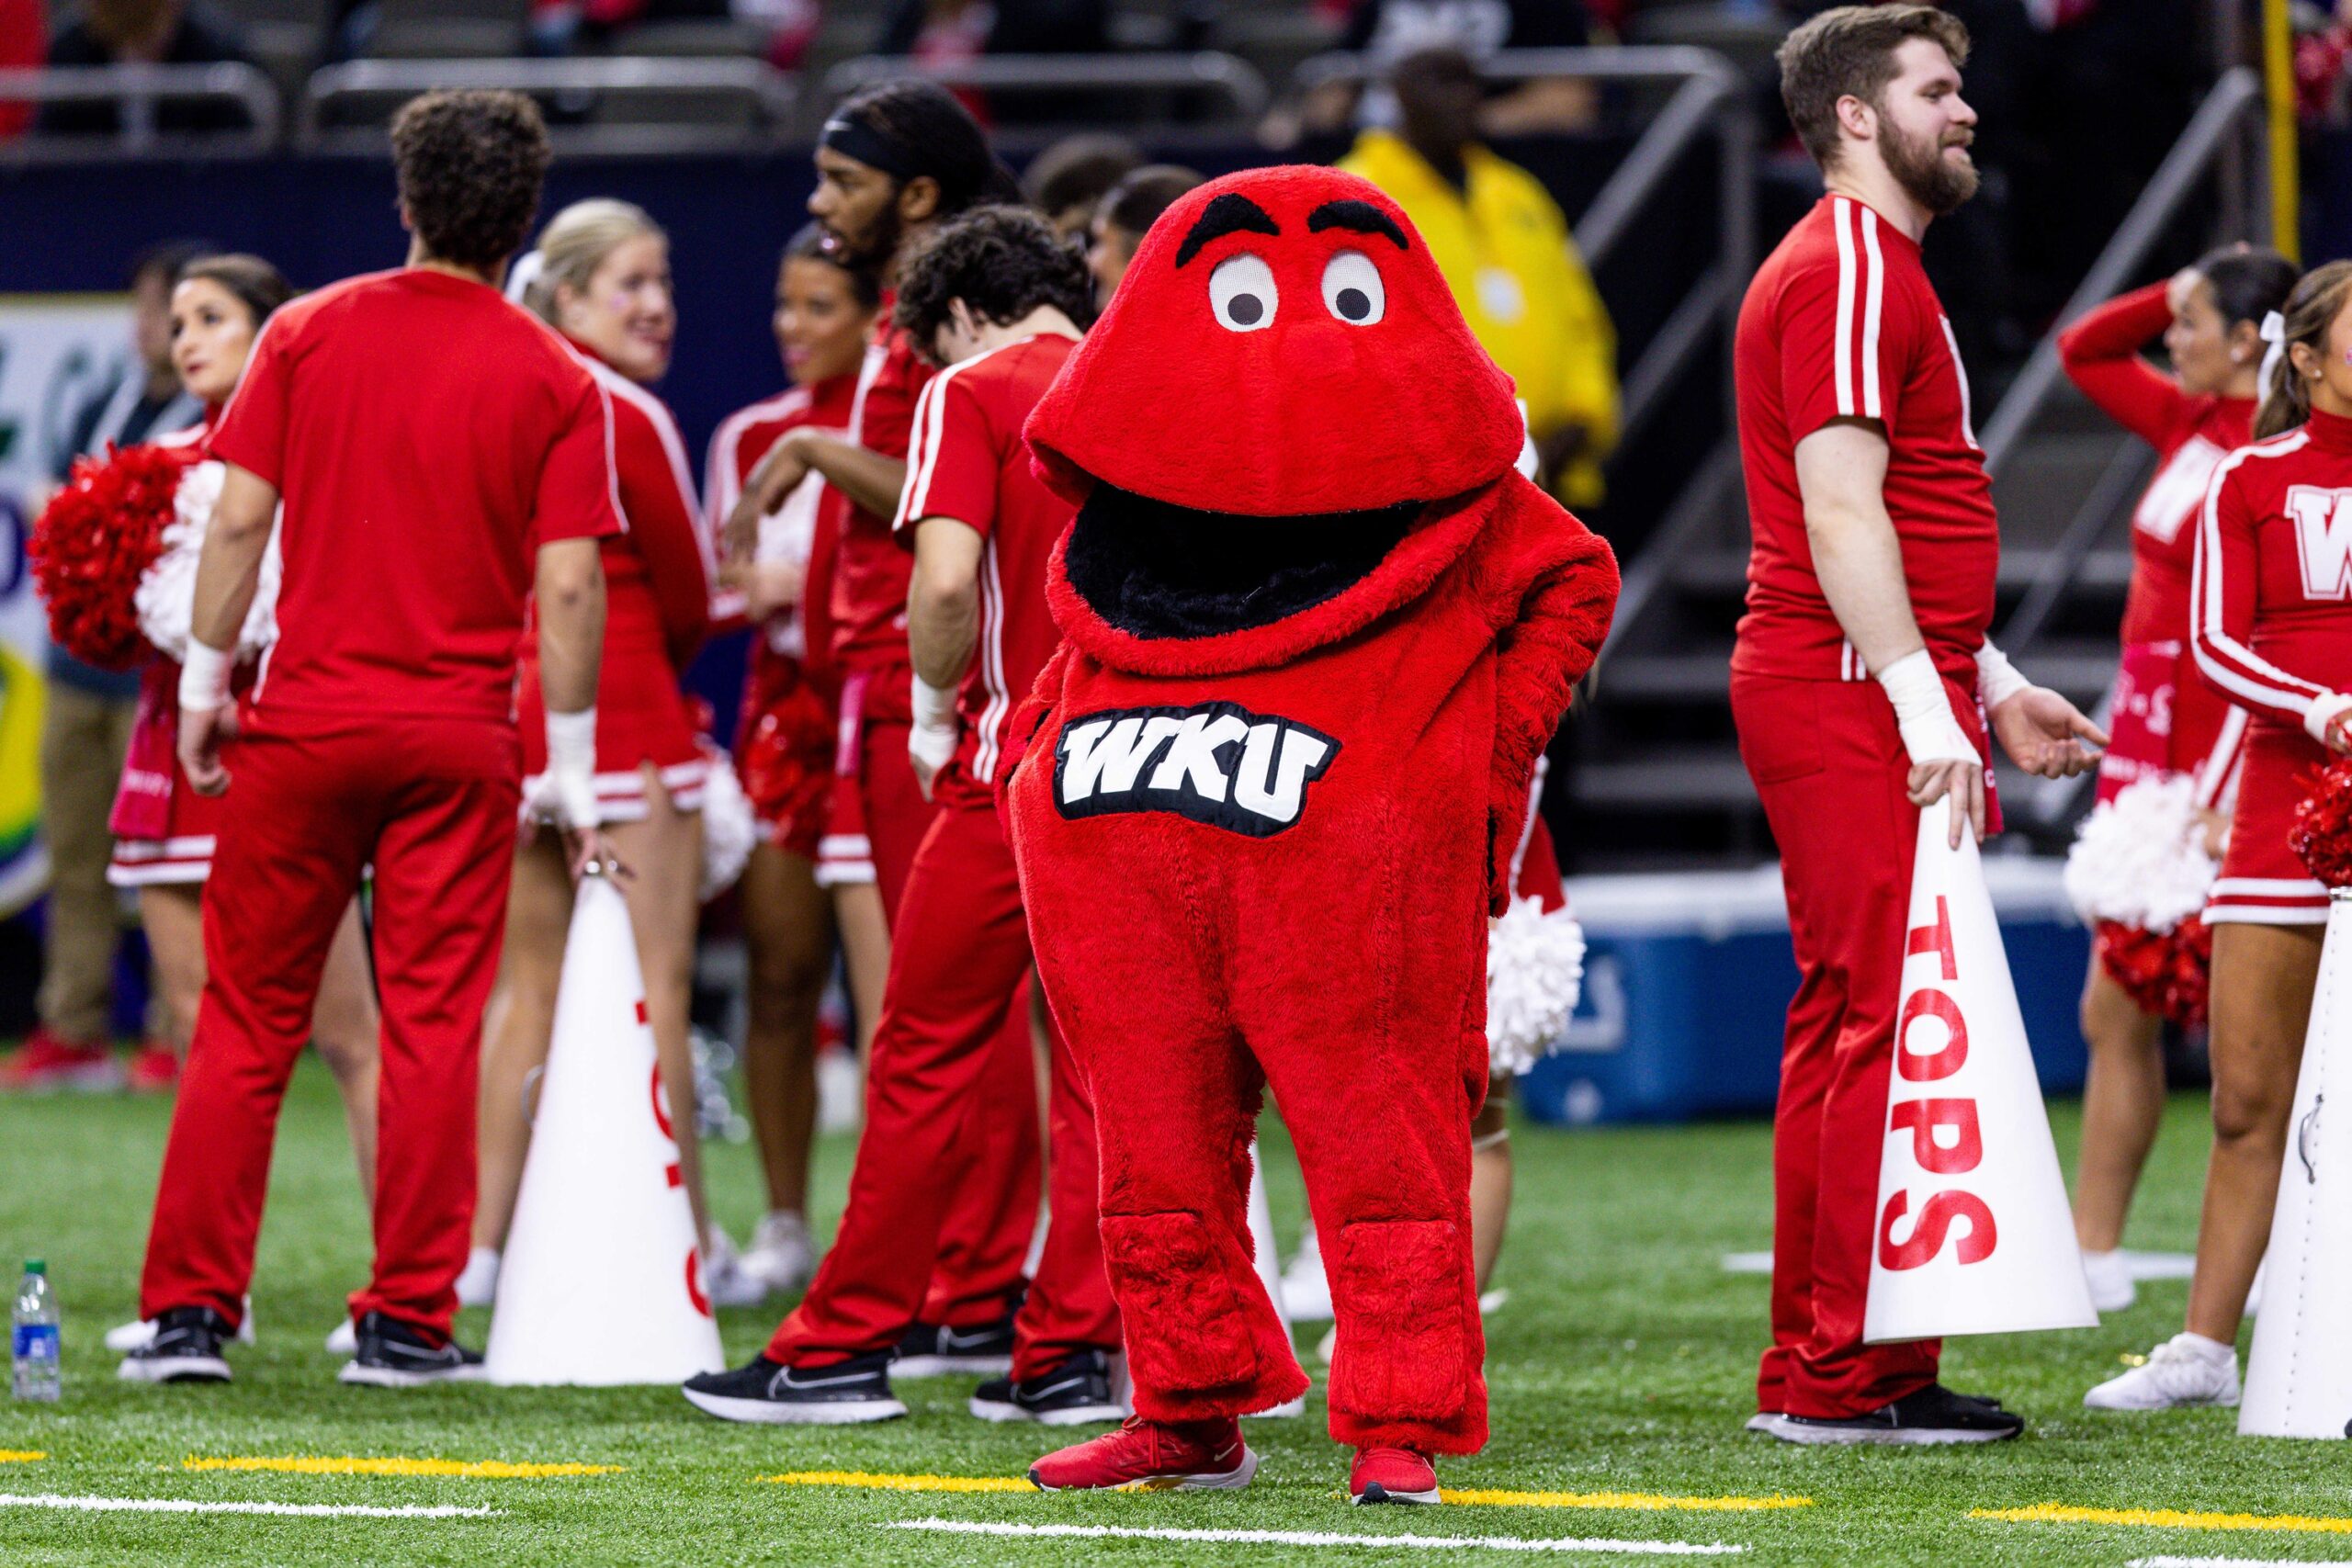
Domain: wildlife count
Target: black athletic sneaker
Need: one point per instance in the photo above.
(1069, 1394)
(841, 1394)
(186, 1348)
(393, 1354)
(934, 1350)
(1928, 1416)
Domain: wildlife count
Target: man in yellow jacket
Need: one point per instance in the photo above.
(1504, 247)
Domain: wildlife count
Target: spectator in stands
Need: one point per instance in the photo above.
(85, 727)
(24, 44)
(1504, 247)
(1067, 181)
(950, 32)
(1386, 31)
(589, 26)
(1129, 208)
(146, 32)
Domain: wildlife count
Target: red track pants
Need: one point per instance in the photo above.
(1831, 770)
(430, 804)
(959, 949)
(992, 1213)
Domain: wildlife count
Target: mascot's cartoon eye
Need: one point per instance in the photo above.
(1351, 289)
(1241, 292)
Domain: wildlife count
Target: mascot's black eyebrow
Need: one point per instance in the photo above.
(1229, 214)
(1361, 217)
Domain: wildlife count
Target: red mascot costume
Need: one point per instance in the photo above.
(1317, 631)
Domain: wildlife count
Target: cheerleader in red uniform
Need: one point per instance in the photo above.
(2272, 604)
(2166, 718)
(603, 282)
(795, 901)
(165, 832)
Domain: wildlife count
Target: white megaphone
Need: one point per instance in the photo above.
(602, 1279)
(2299, 1379)
(1973, 1234)
(1269, 1265)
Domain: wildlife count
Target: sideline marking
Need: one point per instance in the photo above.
(2163, 1518)
(486, 1469)
(2234, 1563)
(881, 1482)
(190, 1505)
(1325, 1538)
(1645, 1501)
(21, 1456)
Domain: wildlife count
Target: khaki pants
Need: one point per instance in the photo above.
(81, 742)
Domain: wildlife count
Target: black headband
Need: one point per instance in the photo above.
(855, 139)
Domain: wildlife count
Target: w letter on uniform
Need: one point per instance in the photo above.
(2323, 520)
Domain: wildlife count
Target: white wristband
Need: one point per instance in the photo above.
(569, 791)
(204, 677)
(2324, 710)
(1997, 679)
(934, 705)
(1923, 711)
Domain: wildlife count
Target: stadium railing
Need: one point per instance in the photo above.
(137, 91)
(1709, 99)
(764, 99)
(1236, 85)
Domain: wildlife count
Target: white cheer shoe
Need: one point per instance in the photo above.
(478, 1281)
(781, 1255)
(2109, 1275)
(127, 1336)
(2186, 1370)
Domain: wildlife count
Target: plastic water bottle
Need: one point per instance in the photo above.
(35, 1343)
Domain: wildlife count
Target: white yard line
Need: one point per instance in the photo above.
(1326, 1538)
(190, 1506)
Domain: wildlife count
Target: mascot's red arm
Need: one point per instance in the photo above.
(1556, 593)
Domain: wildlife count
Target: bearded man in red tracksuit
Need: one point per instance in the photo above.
(1861, 682)
(1318, 629)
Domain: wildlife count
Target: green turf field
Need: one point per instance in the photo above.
(1620, 1364)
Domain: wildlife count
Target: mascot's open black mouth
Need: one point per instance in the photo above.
(1155, 570)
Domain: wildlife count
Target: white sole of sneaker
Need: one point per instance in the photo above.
(952, 1366)
(1072, 1416)
(1884, 1437)
(769, 1412)
(1232, 1480)
(175, 1369)
(2228, 1403)
(390, 1377)
(1387, 1497)
(1768, 1422)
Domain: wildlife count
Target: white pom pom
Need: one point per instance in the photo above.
(1534, 974)
(166, 597)
(2140, 859)
(730, 833)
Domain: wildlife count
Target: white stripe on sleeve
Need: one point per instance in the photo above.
(1841, 361)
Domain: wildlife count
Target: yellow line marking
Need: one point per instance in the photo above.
(873, 1481)
(20, 1456)
(2164, 1519)
(1645, 1501)
(319, 1465)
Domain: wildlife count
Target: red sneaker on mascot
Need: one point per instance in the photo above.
(1318, 630)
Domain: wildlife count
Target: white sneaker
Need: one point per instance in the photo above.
(2109, 1276)
(2187, 1368)
(127, 1336)
(343, 1341)
(478, 1281)
(724, 1279)
(1306, 1291)
(781, 1255)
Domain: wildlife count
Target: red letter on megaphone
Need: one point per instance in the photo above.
(1934, 939)
(1935, 1224)
(1928, 1066)
(1924, 1116)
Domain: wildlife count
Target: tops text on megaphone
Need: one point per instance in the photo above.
(1947, 1141)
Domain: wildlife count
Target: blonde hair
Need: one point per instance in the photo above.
(575, 243)
(2310, 310)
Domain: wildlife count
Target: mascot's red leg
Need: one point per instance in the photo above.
(1176, 1100)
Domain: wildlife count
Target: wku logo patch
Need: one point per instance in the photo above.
(1217, 763)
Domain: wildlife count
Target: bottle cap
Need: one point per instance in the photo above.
(35, 1266)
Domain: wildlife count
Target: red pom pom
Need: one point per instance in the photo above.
(2323, 830)
(2165, 972)
(95, 540)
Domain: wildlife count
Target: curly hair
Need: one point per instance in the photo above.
(1002, 261)
(470, 166)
